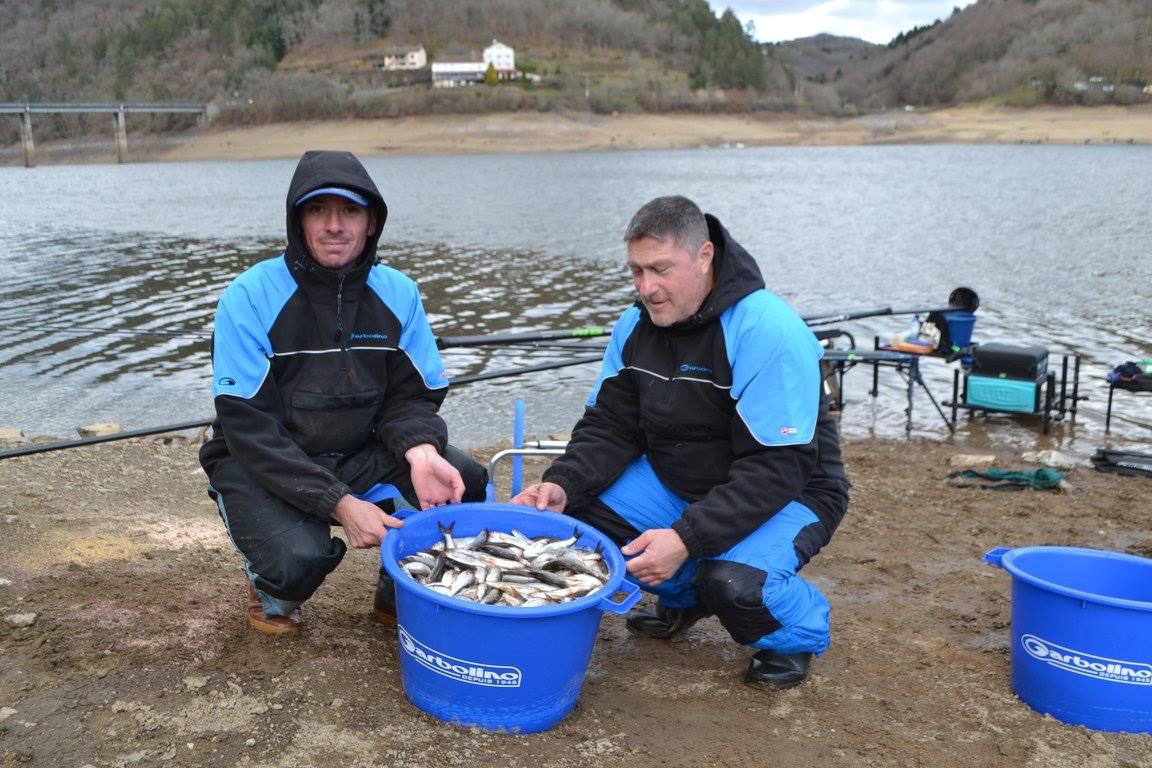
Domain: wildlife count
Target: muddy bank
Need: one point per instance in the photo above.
(576, 131)
(128, 645)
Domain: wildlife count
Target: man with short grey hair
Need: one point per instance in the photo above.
(706, 448)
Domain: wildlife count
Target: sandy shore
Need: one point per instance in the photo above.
(581, 131)
(536, 132)
(123, 642)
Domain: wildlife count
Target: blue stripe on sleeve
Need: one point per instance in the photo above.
(402, 296)
(775, 362)
(247, 309)
(614, 354)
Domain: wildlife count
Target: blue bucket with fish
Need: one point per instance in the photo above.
(1081, 629)
(499, 668)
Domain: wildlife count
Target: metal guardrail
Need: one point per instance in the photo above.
(185, 107)
(118, 110)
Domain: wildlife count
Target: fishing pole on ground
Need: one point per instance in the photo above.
(455, 381)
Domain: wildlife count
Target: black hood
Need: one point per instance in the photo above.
(737, 275)
(323, 168)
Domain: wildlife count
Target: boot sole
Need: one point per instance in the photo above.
(266, 627)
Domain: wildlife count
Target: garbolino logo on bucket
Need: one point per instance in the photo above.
(473, 672)
(1090, 665)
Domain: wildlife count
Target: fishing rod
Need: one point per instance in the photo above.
(961, 299)
(457, 381)
(442, 342)
(588, 332)
(109, 331)
(472, 378)
(45, 447)
(533, 346)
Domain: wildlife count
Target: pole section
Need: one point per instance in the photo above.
(121, 131)
(26, 138)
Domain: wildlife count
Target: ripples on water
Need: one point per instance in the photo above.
(107, 315)
(132, 321)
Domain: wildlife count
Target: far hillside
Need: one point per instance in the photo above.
(274, 60)
(1019, 52)
(260, 61)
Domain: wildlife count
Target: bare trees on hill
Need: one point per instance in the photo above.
(1024, 51)
(259, 56)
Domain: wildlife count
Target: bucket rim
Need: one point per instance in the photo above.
(616, 567)
(1008, 562)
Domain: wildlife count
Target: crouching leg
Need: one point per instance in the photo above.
(756, 593)
(287, 553)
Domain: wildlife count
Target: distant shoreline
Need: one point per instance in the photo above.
(526, 132)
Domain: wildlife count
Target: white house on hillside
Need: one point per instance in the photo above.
(500, 56)
(449, 74)
(402, 57)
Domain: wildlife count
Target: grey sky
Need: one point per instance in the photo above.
(877, 21)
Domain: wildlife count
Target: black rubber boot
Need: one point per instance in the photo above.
(667, 623)
(384, 604)
(777, 671)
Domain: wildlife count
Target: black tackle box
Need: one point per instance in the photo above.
(1004, 361)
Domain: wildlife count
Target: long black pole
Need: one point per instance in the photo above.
(841, 317)
(963, 299)
(527, 369)
(856, 315)
(45, 447)
(457, 381)
(449, 342)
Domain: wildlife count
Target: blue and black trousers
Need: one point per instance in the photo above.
(753, 588)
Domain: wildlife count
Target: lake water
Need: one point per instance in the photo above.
(109, 274)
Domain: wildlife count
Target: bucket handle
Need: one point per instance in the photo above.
(995, 556)
(631, 594)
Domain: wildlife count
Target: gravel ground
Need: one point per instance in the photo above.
(122, 640)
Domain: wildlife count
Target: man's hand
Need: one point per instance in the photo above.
(364, 523)
(434, 479)
(659, 554)
(543, 496)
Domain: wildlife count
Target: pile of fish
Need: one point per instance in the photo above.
(496, 568)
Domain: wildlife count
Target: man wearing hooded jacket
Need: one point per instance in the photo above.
(706, 447)
(326, 383)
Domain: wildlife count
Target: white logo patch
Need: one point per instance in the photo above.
(472, 672)
(1087, 664)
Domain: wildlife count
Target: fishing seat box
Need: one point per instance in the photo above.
(1002, 361)
(1007, 378)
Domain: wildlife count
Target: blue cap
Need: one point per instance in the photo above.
(347, 194)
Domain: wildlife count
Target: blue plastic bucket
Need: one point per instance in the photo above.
(960, 325)
(1082, 634)
(498, 668)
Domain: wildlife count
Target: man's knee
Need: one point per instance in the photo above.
(473, 473)
(765, 609)
(735, 593)
(293, 565)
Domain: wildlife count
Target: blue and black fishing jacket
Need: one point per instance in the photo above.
(728, 407)
(317, 369)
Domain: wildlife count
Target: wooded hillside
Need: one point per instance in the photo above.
(1020, 51)
(269, 60)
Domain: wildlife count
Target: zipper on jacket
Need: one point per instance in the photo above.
(339, 313)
